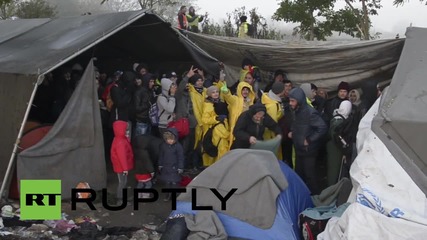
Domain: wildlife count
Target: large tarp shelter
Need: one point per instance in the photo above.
(388, 199)
(31, 48)
(322, 63)
(402, 120)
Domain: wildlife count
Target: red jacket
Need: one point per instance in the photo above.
(121, 149)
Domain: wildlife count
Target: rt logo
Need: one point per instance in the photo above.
(40, 199)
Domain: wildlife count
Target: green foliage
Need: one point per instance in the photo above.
(318, 19)
(401, 2)
(35, 9)
(230, 25)
(7, 8)
(307, 13)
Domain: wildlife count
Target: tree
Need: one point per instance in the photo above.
(305, 12)
(401, 2)
(369, 7)
(168, 9)
(35, 9)
(319, 20)
(7, 8)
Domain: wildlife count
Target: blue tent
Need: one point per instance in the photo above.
(291, 201)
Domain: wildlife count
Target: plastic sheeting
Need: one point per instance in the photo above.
(290, 203)
(402, 120)
(386, 203)
(322, 63)
(73, 150)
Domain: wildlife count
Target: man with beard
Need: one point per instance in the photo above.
(250, 126)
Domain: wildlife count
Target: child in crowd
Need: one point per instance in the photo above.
(171, 160)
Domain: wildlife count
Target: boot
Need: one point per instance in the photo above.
(167, 197)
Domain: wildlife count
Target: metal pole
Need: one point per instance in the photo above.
(18, 139)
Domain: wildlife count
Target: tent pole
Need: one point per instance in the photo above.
(18, 139)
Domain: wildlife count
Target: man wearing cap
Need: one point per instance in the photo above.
(173, 77)
(250, 126)
(334, 103)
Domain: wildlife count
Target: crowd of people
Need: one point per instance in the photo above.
(138, 109)
(221, 118)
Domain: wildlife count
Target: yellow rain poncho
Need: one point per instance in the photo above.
(236, 105)
(197, 100)
(220, 134)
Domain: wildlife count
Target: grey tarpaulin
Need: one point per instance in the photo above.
(73, 149)
(257, 176)
(322, 63)
(30, 48)
(401, 122)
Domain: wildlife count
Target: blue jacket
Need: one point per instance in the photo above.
(307, 124)
(171, 159)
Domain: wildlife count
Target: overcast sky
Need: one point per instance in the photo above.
(390, 18)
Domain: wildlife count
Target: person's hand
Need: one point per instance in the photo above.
(221, 118)
(252, 140)
(305, 142)
(125, 173)
(180, 171)
(290, 135)
(224, 88)
(173, 90)
(191, 72)
(279, 136)
(221, 75)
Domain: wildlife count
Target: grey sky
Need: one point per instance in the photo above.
(390, 19)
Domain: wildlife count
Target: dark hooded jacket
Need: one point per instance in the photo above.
(307, 124)
(121, 101)
(171, 159)
(246, 127)
(144, 98)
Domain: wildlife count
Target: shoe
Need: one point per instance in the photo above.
(167, 197)
(144, 195)
(119, 202)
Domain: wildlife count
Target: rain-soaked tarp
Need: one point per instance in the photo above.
(322, 63)
(401, 122)
(73, 150)
(30, 48)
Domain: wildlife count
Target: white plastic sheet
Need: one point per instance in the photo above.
(386, 203)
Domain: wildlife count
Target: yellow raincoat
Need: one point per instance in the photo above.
(197, 100)
(236, 105)
(274, 109)
(220, 133)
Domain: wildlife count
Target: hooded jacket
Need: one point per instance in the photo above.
(245, 127)
(236, 104)
(165, 103)
(171, 159)
(144, 98)
(121, 149)
(220, 133)
(121, 99)
(190, 105)
(307, 125)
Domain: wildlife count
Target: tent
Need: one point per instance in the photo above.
(32, 48)
(322, 63)
(388, 200)
(268, 200)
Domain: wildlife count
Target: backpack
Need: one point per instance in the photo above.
(153, 114)
(207, 145)
(343, 134)
(182, 125)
